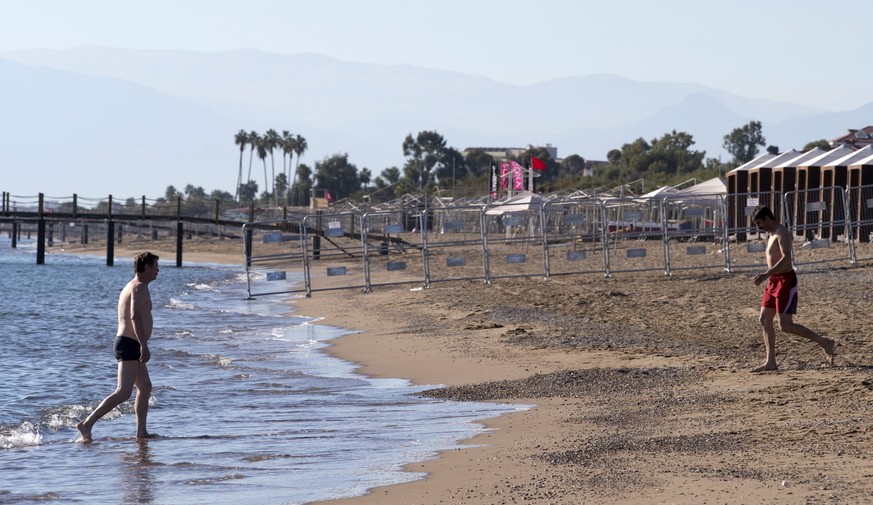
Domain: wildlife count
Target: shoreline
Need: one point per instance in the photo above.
(647, 398)
(641, 384)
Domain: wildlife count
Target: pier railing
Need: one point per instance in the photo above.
(88, 222)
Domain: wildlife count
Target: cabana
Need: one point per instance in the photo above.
(807, 209)
(859, 189)
(835, 175)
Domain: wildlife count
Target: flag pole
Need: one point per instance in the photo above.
(530, 175)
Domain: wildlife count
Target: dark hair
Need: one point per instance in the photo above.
(763, 212)
(142, 260)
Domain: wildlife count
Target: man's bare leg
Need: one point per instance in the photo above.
(766, 319)
(787, 324)
(127, 371)
(141, 405)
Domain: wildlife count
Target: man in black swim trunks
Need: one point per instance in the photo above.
(131, 348)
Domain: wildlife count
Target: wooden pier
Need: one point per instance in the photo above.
(110, 221)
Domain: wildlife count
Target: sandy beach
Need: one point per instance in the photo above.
(640, 383)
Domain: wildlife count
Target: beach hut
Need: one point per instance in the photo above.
(807, 196)
(737, 182)
(784, 176)
(835, 175)
(761, 181)
(860, 196)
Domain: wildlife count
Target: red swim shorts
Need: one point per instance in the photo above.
(781, 293)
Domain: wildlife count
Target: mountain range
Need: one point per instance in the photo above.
(98, 120)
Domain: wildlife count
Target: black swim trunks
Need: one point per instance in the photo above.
(126, 349)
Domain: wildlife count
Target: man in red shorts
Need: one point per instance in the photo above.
(780, 295)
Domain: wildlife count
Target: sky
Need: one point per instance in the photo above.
(800, 51)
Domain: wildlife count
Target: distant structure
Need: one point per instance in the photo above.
(503, 153)
(855, 138)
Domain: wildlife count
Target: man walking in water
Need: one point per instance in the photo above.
(131, 347)
(780, 295)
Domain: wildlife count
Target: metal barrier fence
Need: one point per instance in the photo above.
(821, 226)
(513, 241)
(695, 232)
(560, 237)
(454, 245)
(394, 247)
(860, 207)
(575, 240)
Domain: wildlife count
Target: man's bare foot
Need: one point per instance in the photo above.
(766, 367)
(830, 350)
(84, 432)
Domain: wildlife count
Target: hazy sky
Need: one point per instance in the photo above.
(802, 51)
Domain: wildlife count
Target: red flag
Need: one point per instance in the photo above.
(537, 164)
(327, 195)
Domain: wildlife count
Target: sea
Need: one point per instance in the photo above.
(247, 406)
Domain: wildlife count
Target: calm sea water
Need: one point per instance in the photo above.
(248, 407)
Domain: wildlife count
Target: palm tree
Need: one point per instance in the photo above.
(288, 142)
(242, 140)
(253, 144)
(262, 154)
(271, 141)
(300, 147)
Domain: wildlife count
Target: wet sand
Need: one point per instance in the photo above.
(642, 385)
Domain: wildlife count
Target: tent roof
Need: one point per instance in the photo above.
(710, 187)
(781, 158)
(868, 161)
(663, 190)
(852, 157)
(808, 155)
(521, 202)
(824, 159)
(754, 163)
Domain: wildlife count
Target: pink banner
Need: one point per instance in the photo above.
(517, 177)
(504, 174)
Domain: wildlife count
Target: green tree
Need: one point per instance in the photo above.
(262, 154)
(450, 167)
(338, 176)
(478, 162)
(242, 140)
(281, 184)
(742, 143)
(248, 191)
(271, 142)
(573, 165)
(300, 147)
(171, 194)
(821, 144)
(424, 150)
(254, 138)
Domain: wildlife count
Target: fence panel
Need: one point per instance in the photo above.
(514, 241)
(334, 251)
(455, 244)
(821, 234)
(394, 247)
(575, 237)
(860, 199)
(695, 232)
(745, 240)
(635, 235)
(274, 256)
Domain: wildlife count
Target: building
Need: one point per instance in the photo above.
(855, 138)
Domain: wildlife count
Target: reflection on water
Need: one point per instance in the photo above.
(137, 481)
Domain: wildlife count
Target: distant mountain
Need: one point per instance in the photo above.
(109, 110)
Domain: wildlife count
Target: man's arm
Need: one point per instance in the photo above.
(139, 316)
